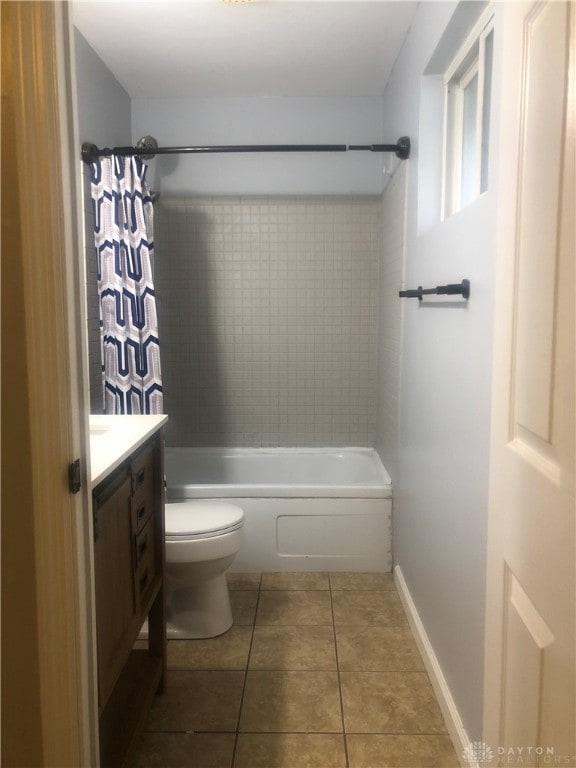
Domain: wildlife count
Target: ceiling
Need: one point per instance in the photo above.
(186, 48)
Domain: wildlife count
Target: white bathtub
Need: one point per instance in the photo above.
(305, 509)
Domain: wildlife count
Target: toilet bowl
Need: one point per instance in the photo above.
(202, 539)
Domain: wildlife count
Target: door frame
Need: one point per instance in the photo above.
(46, 536)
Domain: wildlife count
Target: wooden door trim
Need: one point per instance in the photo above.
(53, 416)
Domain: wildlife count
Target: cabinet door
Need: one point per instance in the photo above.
(114, 575)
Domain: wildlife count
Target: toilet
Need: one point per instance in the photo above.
(202, 540)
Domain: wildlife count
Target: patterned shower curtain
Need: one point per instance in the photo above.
(123, 233)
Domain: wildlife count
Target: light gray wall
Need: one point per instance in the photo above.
(104, 119)
(215, 121)
(440, 488)
(268, 311)
(104, 110)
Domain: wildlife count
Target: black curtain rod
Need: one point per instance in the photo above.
(147, 148)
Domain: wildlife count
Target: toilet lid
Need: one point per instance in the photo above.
(193, 518)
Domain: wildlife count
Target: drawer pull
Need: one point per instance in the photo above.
(141, 512)
(143, 581)
(142, 547)
(139, 478)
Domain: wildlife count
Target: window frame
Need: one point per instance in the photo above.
(469, 61)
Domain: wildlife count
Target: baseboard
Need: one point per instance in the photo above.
(454, 725)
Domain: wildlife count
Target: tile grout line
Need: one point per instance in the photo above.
(236, 735)
(339, 678)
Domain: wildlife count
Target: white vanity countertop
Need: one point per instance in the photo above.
(114, 438)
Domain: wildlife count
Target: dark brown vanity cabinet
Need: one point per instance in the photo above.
(129, 571)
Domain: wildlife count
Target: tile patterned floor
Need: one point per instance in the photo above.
(319, 671)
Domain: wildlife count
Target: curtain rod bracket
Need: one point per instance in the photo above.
(90, 152)
(403, 151)
(147, 142)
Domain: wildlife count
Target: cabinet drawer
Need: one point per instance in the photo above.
(145, 562)
(142, 508)
(142, 467)
(142, 471)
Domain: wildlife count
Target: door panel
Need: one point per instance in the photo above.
(526, 639)
(540, 173)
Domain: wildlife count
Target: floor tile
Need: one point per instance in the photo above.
(291, 702)
(368, 609)
(377, 649)
(295, 581)
(243, 606)
(293, 648)
(243, 581)
(290, 750)
(390, 702)
(185, 750)
(286, 711)
(377, 751)
(358, 581)
(294, 608)
(198, 701)
(227, 651)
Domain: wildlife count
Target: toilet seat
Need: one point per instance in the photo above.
(201, 519)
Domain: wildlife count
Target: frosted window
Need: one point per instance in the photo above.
(468, 83)
(469, 113)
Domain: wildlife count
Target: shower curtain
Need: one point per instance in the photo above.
(123, 234)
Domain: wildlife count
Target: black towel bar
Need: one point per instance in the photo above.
(453, 289)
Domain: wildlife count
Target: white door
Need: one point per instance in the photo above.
(529, 711)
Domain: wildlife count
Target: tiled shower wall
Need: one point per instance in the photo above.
(268, 314)
(390, 330)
